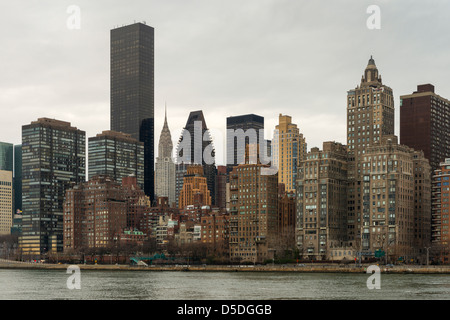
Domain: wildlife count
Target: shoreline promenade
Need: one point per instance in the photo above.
(313, 267)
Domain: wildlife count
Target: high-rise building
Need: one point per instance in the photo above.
(221, 187)
(388, 209)
(425, 123)
(165, 166)
(18, 178)
(180, 172)
(132, 90)
(321, 201)
(241, 125)
(195, 188)
(6, 156)
(370, 116)
(53, 160)
(6, 201)
(440, 212)
(116, 155)
(196, 147)
(289, 149)
(253, 213)
(95, 213)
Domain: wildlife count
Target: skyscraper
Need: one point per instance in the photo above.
(165, 166)
(194, 145)
(370, 116)
(289, 149)
(116, 155)
(195, 188)
(253, 213)
(321, 201)
(244, 123)
(18, 178)
(53, 160)
(6, 156)
(425, 123)
(132, 90)
(6, 201)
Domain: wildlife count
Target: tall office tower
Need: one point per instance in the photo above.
(289, 149)
(132, 90)
(17, 178)
(236, 147)
(198, 148)
(440, 236)
(253, 213)
(370, 116)
(116, 155)
(95, 212)
(425, 124)
(389, 211)
(6, 156)
(6, 201)
(53, 160)
(321, 201)
(195, 188)
(165, 166)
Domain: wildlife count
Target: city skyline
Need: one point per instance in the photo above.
(248, 67)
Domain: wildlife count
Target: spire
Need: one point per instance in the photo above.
(371, 62)
(165, 140)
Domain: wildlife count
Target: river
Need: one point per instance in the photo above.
(161, 285)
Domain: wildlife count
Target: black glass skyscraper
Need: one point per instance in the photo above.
(243, 122)
(199, 142)
(132, 90)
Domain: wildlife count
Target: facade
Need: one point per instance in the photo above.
(253, 213)
(195, 188)
(6, 202)
(18, 179)
(287, 217)
(221, 187)
(138, 204)
(289, 149)
(116, 155)
(53, 161)
(6, 156)
(165, 174)
(440, 211)
(370, 116)
(132, 90)
(321, 202)
(234, 146)
(95, 214)
(425, 123)
(215, 233)
(194, 145)
(390, 210)
(180, 172)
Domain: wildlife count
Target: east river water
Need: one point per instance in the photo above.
(161, 285)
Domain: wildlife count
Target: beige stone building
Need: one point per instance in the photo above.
(253, 213)
(370, 116)
(289, 148)
(6, 202)
(321, 202)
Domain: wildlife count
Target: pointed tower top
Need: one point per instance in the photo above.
(371, 62)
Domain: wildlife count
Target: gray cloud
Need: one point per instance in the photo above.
(224, 57)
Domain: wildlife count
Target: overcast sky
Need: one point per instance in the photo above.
(227, 58)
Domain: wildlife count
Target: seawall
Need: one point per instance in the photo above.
(317, 268)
